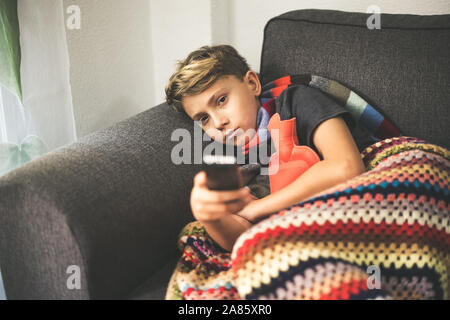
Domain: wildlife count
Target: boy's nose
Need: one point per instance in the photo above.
(220, 122)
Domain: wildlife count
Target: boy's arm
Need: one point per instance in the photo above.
(226, 230)
(341, 161)
(216, 211)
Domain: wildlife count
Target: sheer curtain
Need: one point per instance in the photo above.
(36, 112)
(43, 120)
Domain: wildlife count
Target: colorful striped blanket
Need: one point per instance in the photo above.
(381, 235)
(370, 125)
(366, 117)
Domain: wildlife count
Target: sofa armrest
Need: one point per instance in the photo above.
(112, 203)
(36, 245)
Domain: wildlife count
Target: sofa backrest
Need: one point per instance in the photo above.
(402, 69)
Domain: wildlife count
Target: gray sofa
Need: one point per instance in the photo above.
(113, 202)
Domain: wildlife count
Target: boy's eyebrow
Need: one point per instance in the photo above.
(213, 97)
(198, 114)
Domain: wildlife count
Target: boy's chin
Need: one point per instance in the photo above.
(239, 141)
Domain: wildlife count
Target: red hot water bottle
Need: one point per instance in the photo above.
(290, 159)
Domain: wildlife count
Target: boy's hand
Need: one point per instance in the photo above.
(211, 205)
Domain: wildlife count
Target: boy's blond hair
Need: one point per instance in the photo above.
(201, 69)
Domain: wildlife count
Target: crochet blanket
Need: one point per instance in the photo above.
(381, 235)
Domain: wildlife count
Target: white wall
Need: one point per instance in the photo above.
(125, 51)
(250, 16)
(111, 64)
(178, 27)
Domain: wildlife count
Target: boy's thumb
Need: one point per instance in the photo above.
(201, 178)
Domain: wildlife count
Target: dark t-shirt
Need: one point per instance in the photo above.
(311, 107)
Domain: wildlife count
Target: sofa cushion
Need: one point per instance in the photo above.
(402, 69)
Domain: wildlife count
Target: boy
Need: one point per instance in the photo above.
(214, 85)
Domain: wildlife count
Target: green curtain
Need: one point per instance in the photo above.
(10, 47)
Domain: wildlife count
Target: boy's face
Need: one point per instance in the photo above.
(228, 105)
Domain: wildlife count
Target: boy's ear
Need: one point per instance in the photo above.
(253, 80)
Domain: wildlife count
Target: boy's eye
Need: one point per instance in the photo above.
(203, 119)
(221, 100)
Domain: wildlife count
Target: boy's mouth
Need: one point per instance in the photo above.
(230, 135)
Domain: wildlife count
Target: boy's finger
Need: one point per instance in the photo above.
(200, 179)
